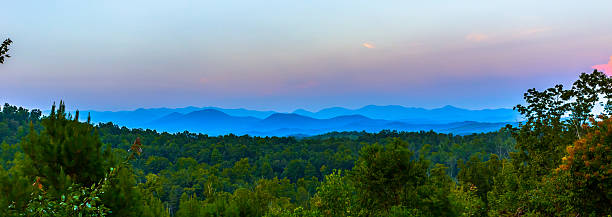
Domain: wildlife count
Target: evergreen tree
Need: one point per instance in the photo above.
(65, 152)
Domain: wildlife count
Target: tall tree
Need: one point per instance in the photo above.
(386, 175)
(554, 119)
(543, 137)
(586, 171)
(66, 151)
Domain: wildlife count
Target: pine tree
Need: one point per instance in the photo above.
(65, 152)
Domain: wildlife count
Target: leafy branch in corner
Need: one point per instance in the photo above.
(4, 48)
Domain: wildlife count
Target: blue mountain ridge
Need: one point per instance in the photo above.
(215, 122)
(371, 118)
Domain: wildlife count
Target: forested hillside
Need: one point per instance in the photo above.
(556, 163)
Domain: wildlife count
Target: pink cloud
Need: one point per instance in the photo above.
(476, 37)
(606, 68)
(368, 45)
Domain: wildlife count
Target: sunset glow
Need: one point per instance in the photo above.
(606, 68)
(287, 55)
(368, 45)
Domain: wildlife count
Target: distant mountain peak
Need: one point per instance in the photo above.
(298, 111)
(450, 107)
(286, 116)
(207, 112)
(351, 117)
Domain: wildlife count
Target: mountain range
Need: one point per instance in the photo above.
(371, 118)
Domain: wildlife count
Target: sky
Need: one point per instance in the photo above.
(285, 55)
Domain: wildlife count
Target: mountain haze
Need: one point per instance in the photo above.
(371, 118)
(445, 114)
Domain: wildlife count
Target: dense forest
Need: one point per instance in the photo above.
(556, 163)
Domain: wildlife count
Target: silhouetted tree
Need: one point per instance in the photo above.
(4, 48)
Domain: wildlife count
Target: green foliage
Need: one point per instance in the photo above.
(75, 200)
(384, 176)
(15, 188)
(4, 48)
(556, 163)
(402, 211)
(555, 118)
(153, 206)
(466, 202)
(65, 152)
(434, 194)
(121, 197)
(585, 174)
(479, 174)
(543, 137)
(66, 171)
(294, 170)
(14, 124)
(228, 178)
(336, 196)
(188, 163)
(389, 180)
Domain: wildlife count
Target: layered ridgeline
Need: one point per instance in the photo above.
(558, 162)
(219, 121)
(188, 174)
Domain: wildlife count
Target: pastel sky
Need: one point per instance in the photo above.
(284, 55)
